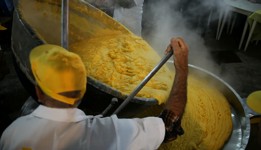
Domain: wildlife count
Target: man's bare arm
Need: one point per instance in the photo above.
(178, 95)
(176, 102)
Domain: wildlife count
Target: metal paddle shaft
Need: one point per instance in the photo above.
(145, 80)
(64, 23)
(113, 102)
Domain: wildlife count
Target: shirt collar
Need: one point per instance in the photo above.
(60, 114)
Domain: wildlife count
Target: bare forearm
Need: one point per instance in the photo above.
(178, 95)
(175, 105)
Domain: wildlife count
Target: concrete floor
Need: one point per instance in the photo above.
(240, 69)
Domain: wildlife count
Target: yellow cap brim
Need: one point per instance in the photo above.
(2, 27)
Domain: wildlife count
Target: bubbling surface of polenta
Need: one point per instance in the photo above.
(206, 121)
(123, 61)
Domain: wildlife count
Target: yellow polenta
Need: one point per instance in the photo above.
(122, 61)
(112, 54)
(207, 119)
(115, 56)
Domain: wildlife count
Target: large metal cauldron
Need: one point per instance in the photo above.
(99, 95)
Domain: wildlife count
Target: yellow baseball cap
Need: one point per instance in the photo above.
(56, 70)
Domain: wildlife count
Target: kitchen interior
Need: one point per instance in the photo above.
(213, 31)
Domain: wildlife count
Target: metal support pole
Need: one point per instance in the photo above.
(223, 23)
(250, 34)
(243, 35)
(64, 23)
(221, 13)
(233, 23)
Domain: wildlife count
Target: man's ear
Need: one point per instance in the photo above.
(39, 93)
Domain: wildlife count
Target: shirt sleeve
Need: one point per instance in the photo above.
(5, 138)
(2, 142)
(136, 134)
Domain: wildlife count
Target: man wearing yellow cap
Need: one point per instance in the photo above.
(58, 123)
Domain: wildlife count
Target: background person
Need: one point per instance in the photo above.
(127, 12)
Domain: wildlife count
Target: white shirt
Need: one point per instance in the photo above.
(130, 17)
(61, 129)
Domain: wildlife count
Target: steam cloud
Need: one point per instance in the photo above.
(188, 19)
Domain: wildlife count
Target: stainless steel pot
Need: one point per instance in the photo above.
(240, 116)
(98, 95)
